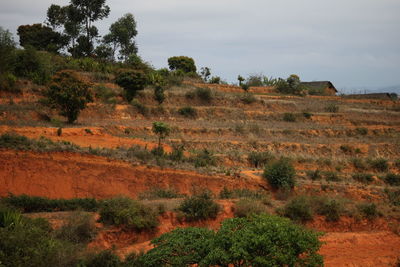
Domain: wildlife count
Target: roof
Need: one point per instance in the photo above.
(373, 96)
(319, 85)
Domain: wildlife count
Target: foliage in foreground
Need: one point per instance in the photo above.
(260, 240)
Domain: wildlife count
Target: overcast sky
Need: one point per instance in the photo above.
(353, 43)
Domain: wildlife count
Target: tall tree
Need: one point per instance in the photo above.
(41, 37)
(91, 11)
(7, 45)
(122, 36)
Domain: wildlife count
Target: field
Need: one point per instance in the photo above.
(345, 150)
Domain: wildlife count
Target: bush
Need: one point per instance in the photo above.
(260, 159)
(314, 175)
(289, 117)
(204, 158)
(333, 108)
(248, 98)
(125, 212)
(280, 174)
(363, 178)
(346, 148)
(362, 131)
(131, 81)
(79, 228)
(7, 83)
(68, 94)
(225, 193)
(142, 109)
(248, 207)
(307, 115)
(215, 80)
(204, 94)
(160, 193)
(197, 208)
(106, 258)
(330, 208)
(368, 210)
(188, 112)
(41, 204)
(379, 164)
(260, 240)
(358, 163)
(332, 176)
(14, 141)
(392, 179)
(299, 210)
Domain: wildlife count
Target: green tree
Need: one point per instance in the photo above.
(7, 47)
(181, 247)
(132, 81)
(205, 73)
(280, 174)
(68, 94)
(185, 64)
(162, 130)
(122, 36)
(240, 79)
(263, 240)
(41, 38)
(159, 83)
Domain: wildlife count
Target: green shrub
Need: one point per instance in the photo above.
(346, 148)
(362, 131)
(177, 153)
(358, 163)
(379, 164)
(333, 108)
(330, 208)
(280, 174)
(183, 63)
(314, 175)
(204, 94)
(368, 210)
(260, 159)
(204, 158)
(393, 196)
(197, 208)
(248, 98)
(14, 141)
(397, 163)
(40, 204)
(7, 83)
(104, 93)
(289, 117)
(248, 207)
(225, 193)
(298, 209)
(188, 112)
(141, 108)
(307, 115)
(131, 81)
(365, 178)
(69, 94)
(79, 228)
(105, 258)
(215, 80)
(128, 213)
(332, 176)
(392, 179)
(260, 240)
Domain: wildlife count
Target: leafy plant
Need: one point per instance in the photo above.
(280, 174)
(186, 64)
(248, 207)
(289, 117)
(131, 81)
(379, 164)
(188, 112)
(260, 159)
(197, 208)
(298, 209)
(365, 178)
(392, 179)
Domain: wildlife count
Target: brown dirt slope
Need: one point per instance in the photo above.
(69, 175)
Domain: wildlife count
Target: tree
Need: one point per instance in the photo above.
(240, 79)
(7, 46)
(292, 85)
(159, 83)
(122, 36)
(90, 11)
(162, 130)
(258, 241)
(132, 81)
(205, 73)
(69, 94)
(185, 64)
(263, 240)
(41, 38)
(280, 174)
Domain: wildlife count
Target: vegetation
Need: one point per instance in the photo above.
(197, 208)
(289, 117)
(185, 64)
(260, 240)
(188, 112)
(392, 179)
(379, 164)
(162, 130)
(248, 207)
(280, 174)
(260, 159)
(128, 213)
(131, 81)
(68, 94)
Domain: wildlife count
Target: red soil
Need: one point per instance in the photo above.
(79, 136)
(69, 175)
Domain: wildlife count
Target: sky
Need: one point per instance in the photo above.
(355, 44)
